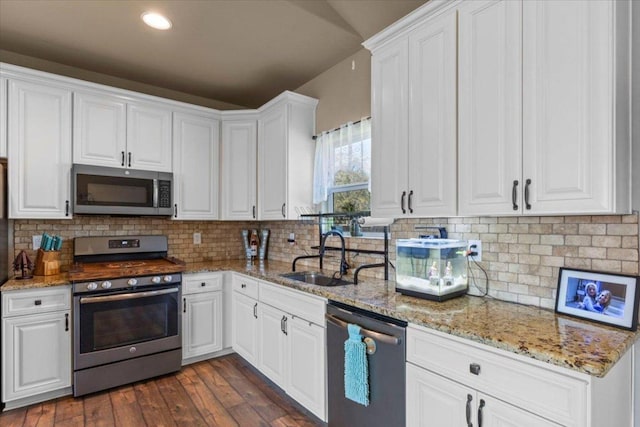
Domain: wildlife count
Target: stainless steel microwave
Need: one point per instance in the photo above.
(102, 190)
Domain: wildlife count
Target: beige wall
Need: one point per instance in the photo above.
(344, 93)
(77, 73)
(522, 255)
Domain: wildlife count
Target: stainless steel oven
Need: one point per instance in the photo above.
(127, 324)
(115, 191)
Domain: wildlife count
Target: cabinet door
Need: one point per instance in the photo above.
(202, 324)
(3, 117)
(272, 164)
(195, 166)
(432, 153)
(495, 413)
(148, 137)
(36, 354)
(245, 327)
(39, 150)
(433, 400)
(99, 130)
(389, 143)
(568, 59)
(306, 378)
(272, 336)
(239, 155)
(490, 107)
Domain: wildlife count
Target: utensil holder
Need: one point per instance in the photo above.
(47, 263)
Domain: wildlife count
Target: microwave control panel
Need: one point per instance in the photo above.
(164, 194)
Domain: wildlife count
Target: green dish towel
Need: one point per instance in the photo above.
(356, 367)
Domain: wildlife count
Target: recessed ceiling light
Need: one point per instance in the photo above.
(157, 21)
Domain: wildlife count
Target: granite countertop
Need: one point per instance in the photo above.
(530, 331)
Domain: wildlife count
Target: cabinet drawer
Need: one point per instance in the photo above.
(245, 285)
(201, 282)
(302, 305)
(34, 301)
(534, 388)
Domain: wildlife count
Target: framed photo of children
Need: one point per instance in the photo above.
(600, 297)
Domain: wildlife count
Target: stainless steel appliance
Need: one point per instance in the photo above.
(115, 191)
(385, 339)
(127, 319)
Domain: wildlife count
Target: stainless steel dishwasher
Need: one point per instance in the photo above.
(385, 339)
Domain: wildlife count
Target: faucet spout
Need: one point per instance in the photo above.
(344, 266)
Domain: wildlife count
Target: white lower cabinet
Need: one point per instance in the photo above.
(433, 400)
(201, 315)
(36, 345)
(281, 332)
(453, 382)
(244, 329)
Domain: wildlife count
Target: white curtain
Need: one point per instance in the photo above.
(347, 148)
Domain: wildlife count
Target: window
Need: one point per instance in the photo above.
(342, 171)
(342, 168)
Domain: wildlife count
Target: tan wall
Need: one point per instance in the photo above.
(78, 73)
(521, 255)
(344, 94)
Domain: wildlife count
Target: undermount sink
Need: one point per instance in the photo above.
(315, 278)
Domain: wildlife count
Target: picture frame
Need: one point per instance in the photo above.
(608, 298)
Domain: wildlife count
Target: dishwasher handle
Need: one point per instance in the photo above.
(387, 339)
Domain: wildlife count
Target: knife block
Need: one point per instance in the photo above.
(47, 263)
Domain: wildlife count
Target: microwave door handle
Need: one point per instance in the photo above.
(155, 193)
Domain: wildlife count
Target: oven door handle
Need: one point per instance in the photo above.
(133, 295)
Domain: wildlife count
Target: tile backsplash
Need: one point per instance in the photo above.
(521, 255)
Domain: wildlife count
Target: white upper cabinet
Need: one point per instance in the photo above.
(390, 145)
(196, 176)
(39, 150)
(99, 130)
(117, 132)
(148, 137)
(239, 169)
(539, 114)
(3, 117)
(490, 107)
(576, 125)
(414, 128)
(285, 157)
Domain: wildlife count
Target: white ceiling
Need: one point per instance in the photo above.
(243, 52)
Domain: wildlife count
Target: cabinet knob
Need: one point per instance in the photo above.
(38, 302)
(243, 286)
(203, 284)
(474, 368)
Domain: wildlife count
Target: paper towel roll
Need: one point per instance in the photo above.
(376, 222)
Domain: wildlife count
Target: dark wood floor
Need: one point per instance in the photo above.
(225, 391)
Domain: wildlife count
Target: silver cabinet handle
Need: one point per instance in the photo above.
(480, 408)
(66, 208)
(122, 158)
(66, 322)
(175, 210)
(404, 195)
(255, 310)
(526, 194)
(133, 295)
(387, 339)
(514, 195)
(284, 215)
(254, 211)
(469, 399)
(129, 158)
(184, 305)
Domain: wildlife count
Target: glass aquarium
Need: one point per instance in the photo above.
(434, 269)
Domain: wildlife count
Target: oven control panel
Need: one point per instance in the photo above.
(126, 282)
(124, 243)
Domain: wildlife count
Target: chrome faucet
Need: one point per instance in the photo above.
(343, 259)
